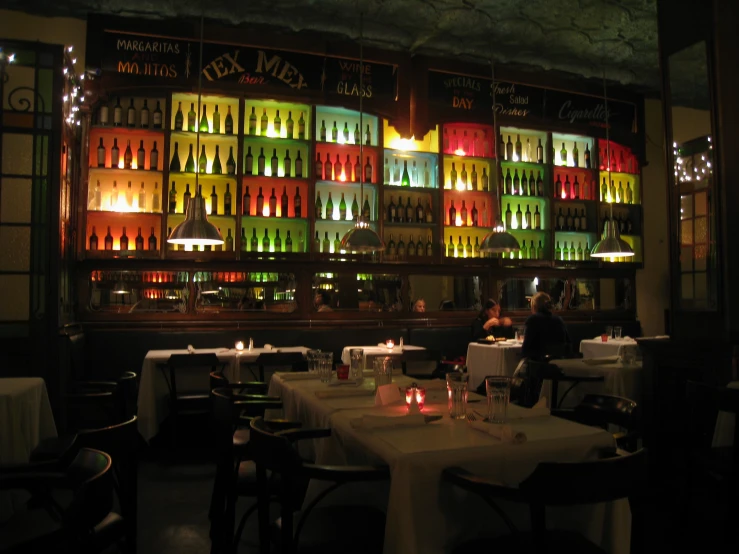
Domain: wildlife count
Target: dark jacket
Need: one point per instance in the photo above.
(542, 330)
(479, 332)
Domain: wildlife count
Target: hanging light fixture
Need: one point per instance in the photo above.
(121, 288)
(611, 245)
(499, 240)
(196, 230)
(361, 238)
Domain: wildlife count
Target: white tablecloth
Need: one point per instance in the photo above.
(484, 360)
(372, 352)
(153, 407)
(596, 348)
(425, 516)
(723, 434)
(619, 380)
(25, 418)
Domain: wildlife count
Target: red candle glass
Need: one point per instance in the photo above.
(420, 397)
(342, 371)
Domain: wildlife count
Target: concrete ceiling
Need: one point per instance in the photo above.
(576, 37)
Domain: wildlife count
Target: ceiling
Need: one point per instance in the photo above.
(576, 37)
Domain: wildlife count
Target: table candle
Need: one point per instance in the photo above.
(390, 344)
(239, 345)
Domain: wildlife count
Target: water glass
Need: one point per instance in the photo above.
(498, 391)
(356, 363)
(617, 332)
(312, 356)
(456, 384)
(609, 331)
(520, 333)
(383, 371)
(325, 366)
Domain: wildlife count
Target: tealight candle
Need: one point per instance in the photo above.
(239, 345)
(415, 397)
(390, 343)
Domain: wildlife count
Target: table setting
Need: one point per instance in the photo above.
(610, 343)
(390, 348)
(496, 358)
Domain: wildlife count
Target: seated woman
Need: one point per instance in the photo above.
(544, 330)
(419, 305)
(322, 301)
(489, 322)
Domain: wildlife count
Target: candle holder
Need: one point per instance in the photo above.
(239, 346)
(415, 398)
(390, 343)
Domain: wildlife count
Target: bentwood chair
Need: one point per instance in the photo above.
(558, 484)
(324, 530)
(275, 361)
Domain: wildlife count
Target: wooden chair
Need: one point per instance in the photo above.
(528, 384)
(558, 484)
(90, 409)
(417, 356)
(219, 381)
(188, 402)
(326, 529)
(86, 524)
(278, 360)
(125, 393)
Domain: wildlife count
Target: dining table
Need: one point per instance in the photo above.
(497, 359)
(597, 348)
(371, 352)
(425, 515)
(153, 406)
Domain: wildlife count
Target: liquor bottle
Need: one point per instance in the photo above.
(260, 203)
(129, 196)
(523, 252)
(277, 242)
(287, 165)
(179, 120)
(567, 188)
(509, 150)
(337, 244)
(557, 252)
(579, 253)
(227, 200)
(429, 247)
(301, 127)
(528, 157)
(117, 114)
(289, 240)
(629, 193)
(216, 121)
(410, 212)
(204, 126)
(323, 131)
(463, 214)
(405, 180)
(537, 219)
(316, 244)
(583, 221)
(569, 221)
(263, 122)
(342, 208)
(527, 218)
(154, 158)
(516, 183)
(190, 163)
(266, 241)
(539, 185)
(216, 168)
(273, 162)
(185, 198)
(463, 176)
(103, 115)
(354, 208)
(427, 175)
(289, 133)
(450, 247)
(246, 203)
(387, 172)
(587, 156)
(560, 220)
(253, 122)
(508, 183)
(473, 178)
(604, 191)
(114, 197)
(390, 251)
(101, 153)
(508, 217)
(563, 155)
(576, 189)
(326, 247)
(575, 156)
(411, 248)
(399, 211)
(123, 241)
(299, 166)
(524, 183)
(277, 124)
(396, 173)
(476, 248)
(254, 242)
(366, 211)
(109, 240)
(532, 183)
(419, 212)
(131, 115)
(612, 191)
(229, 245)
(338, 168)
(519, 217)
(620, 193)
(558, 188)
(519, 151)
(156, 200)
(231, 162)
(428, 213)
(249, 162)
(192, 119)
(297, 203)
(576, 221)
(142, 198)
(367, 136)
(368, 171)
(401, 248)
(128, 156)
(319, 206)
(242, 242)
(334, 137)
(283, 202)
(329, 207)
(139, 241)
(141, 156)
(475, 221)
(484, 180)
(260, 162)
(273, 204)
(202, 161)
(452, 214)
(152, 240)
(93, 240)
(459, 248)
(572, 254)
(540, 252)
(95, 202)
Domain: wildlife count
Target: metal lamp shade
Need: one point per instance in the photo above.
(611, 245)
(362, 239)
(196, 230)
(499, 241)
(121, 288)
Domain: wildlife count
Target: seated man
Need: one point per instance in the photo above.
(543, 329)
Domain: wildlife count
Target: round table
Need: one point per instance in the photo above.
(484, 360)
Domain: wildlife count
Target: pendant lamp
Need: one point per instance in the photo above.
(196, 230)
(611, 245)
(121, 287)
(499, 240)
(362, 238)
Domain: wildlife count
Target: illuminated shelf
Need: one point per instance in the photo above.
(397, 189)
(124, 172)
(462, 158)
(204, 137)
(425, 171)
(124, 130)
(529, 166)
(202, 176)
(473, 138)
(529, 144)
(410, 225)
(276, 141)
(128, 254)
(113, 213)
(569, 141)
(326, 115)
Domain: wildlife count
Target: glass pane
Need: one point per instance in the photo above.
(226, 291)
(686, 258)
(686, 206)
(567, 294)
(446, 292)
(45, 87)
(701, 230)
(42, 155)
(15, 245)
(701, 257)
(701, 287)
(15, 200)
(356, 291)
(46, 59)
(14, 299)
(19, 87)
(701, 203)
(17, 154)
(125, 292)
(686, 286)
(686, 231)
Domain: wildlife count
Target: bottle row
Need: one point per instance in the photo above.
(510, 152)
(141, 118)
(345, 211)
(476, 144)
(276, 125)
(270, 208)
(128, 161)
(530, 252)
(469, 250)
(402, 251)
(571, 254)
(214, 168)
(416, 177)
(345, 137)
(523, 186)
(523, 220)
(397, 213)
(129, 200)
(620, 163)
(465, 181)
(625, 225)
(616, 195)
(288, 168)
(336, 171)
(574, 156)
(571, 190)
(460, 219)
(571, 222)
(237, 277)
(205, 125)
(212, 208)
(271, 245)
(138, 242)
(140, 276)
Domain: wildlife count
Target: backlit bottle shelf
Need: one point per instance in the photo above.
(470, 174)
(468, 139)
(410, 169)
(574, 151)
(340, 126)
(273, 235)
(516, 145)
(620, 160)
(210, 116)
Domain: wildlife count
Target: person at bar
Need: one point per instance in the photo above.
(489, 322)
(322, 301)
(419, 305)
(544, 330)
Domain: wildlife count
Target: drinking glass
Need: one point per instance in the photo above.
(312, 357)
(325, 365)
(456, 384)
(356, 363)
(609, 331)
(498, 391)
(520, 333)
(617, 332)
(383, 371)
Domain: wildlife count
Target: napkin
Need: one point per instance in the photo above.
(345, 382)
(539, 410)
(268, 347)
(190, 349)
(387, 395)
(343, 391)
(388, 422)
(297, 376)
(504, 432)
(600, 361)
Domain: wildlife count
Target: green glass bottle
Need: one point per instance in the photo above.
(254, 240)
(405, 180)
(342, 207)
(229, 246)
(191, 119)
(326, 243)
(524, 250)
(216, 169)
(174, 165)
(330, 208)
(278, 241)
(366, 212)
(337, 244)
(288, 242)
(540, 252)
(316, 244)
(563, 155)
(202, 161)
(334, 133)
(572, 253)
(263, 123)
(319, 206)
(579, 253)
(204, 127)
(355, 207)
(179, 119)
(265, 241)
(277, 124)
(450, 247)
(190, 163)
(242, 244)
(557, 252)
(231, 162)
(253, 122)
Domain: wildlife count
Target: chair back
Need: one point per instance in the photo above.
(90, 410)
(526, 385)
(603, 410)
(418, 356)
(274, 361)
(90, 476)
(128, 394)
(557, 350)
(272, 451)
(179, 362)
